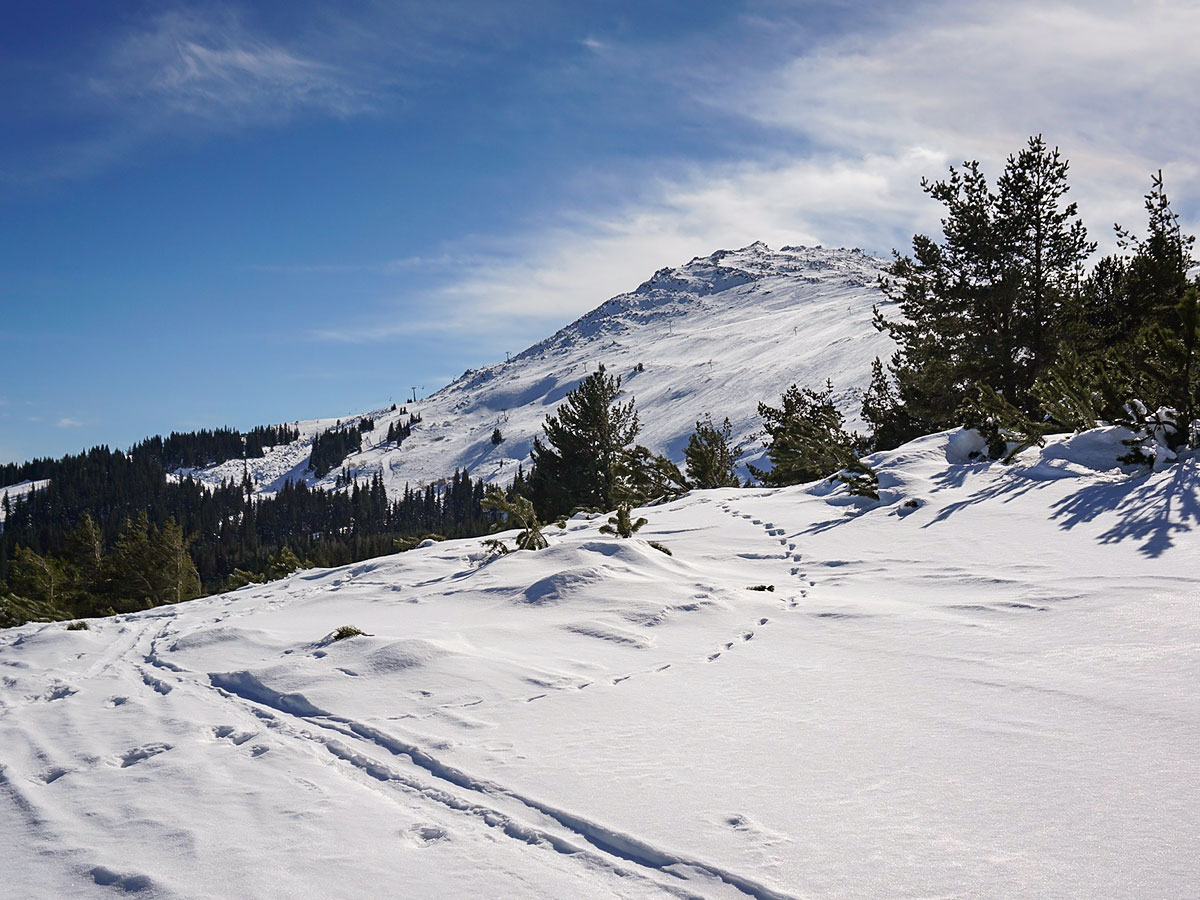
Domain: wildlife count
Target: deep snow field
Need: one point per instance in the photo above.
(985, 685)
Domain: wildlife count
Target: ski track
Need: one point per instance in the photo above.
(609, 846)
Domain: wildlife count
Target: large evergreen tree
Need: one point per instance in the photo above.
(984, 306)
(586, 451)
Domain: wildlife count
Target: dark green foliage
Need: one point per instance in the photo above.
(77, 626)
(16, 610)
(149, 566)
(711, 456)
(883, 410)
(345, 631)
(646, 477)
(331, 447)
(806, 438)
(1001, 330)
(1134, 358)
(987, 304)
(283, 563)
(1077, 392)
(862, 480)
(622, 524)
(73, 526)
(494, 548)
(584, 460)
(661, 548)
(1002, 424)
(497, 438)
(192, 449)
(398, 431)
(518, 512)
(43, 579)
(258, 439)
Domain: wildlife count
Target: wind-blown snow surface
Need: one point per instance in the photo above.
(714, 336)
(982, 686)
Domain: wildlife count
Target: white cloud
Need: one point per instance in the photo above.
(211, 68)
(66, 422)
(1110, 84)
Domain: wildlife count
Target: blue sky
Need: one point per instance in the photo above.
(240, 214)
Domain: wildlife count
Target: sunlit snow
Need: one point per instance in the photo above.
(983, 685)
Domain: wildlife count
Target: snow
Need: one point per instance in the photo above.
(15, 491)
(981, 686)
(715, 336)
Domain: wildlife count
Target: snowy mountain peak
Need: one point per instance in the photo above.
(714, 336)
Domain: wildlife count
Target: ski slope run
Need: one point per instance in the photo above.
(982, 686)
(715, 336)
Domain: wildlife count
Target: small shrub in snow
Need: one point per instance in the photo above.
(519, 511)
(862, 480)
(622, 524)
(77, 626)
(1156, 436)
(1002, 425)
(661, 548)
(761, 587)
(346, 631)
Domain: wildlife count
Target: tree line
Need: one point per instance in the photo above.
(131, 517)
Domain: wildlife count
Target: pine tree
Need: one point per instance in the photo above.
(497, 437)
(622, 524)
(177, 579)
(711, 456)
(986, 304)
(40, 578)
(883, 410)
(518, 511)
(806, 438)
(587, 444)
(131, 565)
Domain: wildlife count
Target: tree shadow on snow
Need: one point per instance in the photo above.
(1152, 509)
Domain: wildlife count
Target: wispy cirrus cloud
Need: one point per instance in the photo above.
(386, 267)
(210, 67)
(846, 129)
(67, 422)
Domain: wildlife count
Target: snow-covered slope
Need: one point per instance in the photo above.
(982, 686)
(714, 336)
(14, 492)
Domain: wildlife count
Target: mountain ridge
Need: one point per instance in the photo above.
(714, 336)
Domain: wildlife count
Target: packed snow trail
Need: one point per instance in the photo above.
(982, 685)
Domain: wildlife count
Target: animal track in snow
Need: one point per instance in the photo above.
(235, 737)
(139, 754)
(424, 835)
